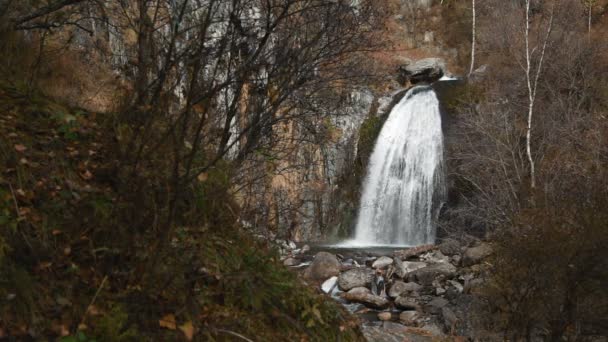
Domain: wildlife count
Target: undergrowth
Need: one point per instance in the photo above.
(78, 263)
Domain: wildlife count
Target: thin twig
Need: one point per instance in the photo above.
(15, 200)
(234, 334)
(93, 300)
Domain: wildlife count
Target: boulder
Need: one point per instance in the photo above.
(382, 262)
(363, 296)
(324, 265)
(427, 70)
(409, 318)
(356, 277)
(399, 268)
(398, 288)
(475, 255)
(426, 275)
(449, 247)
(406, 303)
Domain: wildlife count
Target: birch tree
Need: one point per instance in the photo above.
(474, 28)
(533, 70)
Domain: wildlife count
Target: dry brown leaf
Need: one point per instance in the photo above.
(64, 330)
(168, 322)
(56, 232)
(188, 330)
(20, 148)
(86, 175)
(203, 177)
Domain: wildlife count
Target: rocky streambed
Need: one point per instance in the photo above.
(416, 294)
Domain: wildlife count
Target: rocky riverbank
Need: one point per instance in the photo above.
(420, 293)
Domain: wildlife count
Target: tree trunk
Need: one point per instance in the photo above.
(474, 28)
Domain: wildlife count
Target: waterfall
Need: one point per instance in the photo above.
(404, 187)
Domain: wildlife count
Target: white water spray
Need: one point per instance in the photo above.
(404, 187)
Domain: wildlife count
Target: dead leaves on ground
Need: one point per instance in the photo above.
(169, 322)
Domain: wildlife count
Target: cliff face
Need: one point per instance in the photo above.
(309, 189)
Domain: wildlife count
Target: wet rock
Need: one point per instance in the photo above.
(406, 303)
(385, 316)
(456, 259)
(382, 262)
(291, 262)
(409, 318)
(363, 296)
(329, 284)
(356, 277)
(475, 255)
(426, 275)
(449, 247)
(324, 265)
(399, 268)
(398, 288)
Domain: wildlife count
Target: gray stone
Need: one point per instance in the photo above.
(398, 288)
(291, 262)
(324, 265)
(436, 305)
(449, 317)
(475, 255)
(305, 249)
(356, 277)
(399, 267)
(409, 318)
(382, 262)
(406, 303)
(426, 275)
(426, 70)
(358, 295)
(449, 247)
(411, 266)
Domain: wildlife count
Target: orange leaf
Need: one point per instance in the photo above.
(20, 148)
(168, 322)
(203, 177)
(188, 330)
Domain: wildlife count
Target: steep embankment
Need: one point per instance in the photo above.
(73, 266)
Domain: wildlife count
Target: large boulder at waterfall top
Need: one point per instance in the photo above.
(426, 275)
(426, 70)
(475, 255)
(356, 277)
(325, 265)
(359, 295)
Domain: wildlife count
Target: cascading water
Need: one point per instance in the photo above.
(404, 187)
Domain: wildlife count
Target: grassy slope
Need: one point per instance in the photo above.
(65, 265)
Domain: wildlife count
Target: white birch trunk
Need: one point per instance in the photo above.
(474, 29)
